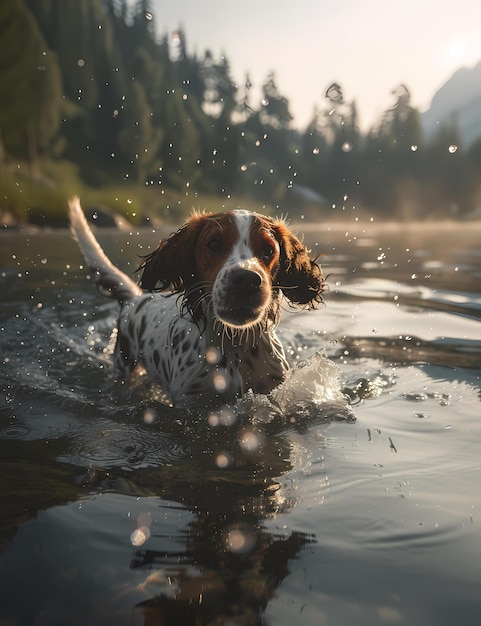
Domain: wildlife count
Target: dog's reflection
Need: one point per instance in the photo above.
(231, 564)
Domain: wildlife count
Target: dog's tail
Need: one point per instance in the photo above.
(107, 277)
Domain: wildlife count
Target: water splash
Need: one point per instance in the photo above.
(311, 391)
(315, 380)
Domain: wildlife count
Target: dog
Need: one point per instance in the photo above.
(216, 339)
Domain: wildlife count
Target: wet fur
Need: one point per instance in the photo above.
(179, 340)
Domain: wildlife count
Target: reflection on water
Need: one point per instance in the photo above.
(116, 509)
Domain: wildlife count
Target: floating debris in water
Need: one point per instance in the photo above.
(391, 445)
(415, 396)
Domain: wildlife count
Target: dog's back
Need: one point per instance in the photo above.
(216, 339)
(154, 335)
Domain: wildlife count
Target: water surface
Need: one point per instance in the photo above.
(306, 507)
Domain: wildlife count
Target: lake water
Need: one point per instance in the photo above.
(115, 509)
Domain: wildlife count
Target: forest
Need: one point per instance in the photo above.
(94, 101)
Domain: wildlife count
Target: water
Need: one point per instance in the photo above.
(115, 509)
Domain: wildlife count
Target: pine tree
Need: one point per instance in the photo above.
(30, 97)
(221, 141)
(314, 153)
(139, 140)
(275, 110)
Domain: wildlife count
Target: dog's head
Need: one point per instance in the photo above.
(235, 262)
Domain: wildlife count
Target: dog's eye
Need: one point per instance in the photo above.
(267, 251)
(215, 246)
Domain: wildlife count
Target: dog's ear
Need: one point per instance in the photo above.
(172, 264)
(299, 277)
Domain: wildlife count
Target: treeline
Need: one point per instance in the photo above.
(91, 82)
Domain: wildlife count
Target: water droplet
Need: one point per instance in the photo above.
(265, 102)
(138, 537)
(149, 416)
(148, 16)
(80, 62)
(213, 420)
(240, 540)
(223, 460)
(315, 151)
(414, 147)
(213, 356)
(452, 148)
(250, 441)
(220, 382)
(227, 417)
(334, 92)
(346, 146)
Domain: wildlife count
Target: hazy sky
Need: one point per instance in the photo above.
(367, 46)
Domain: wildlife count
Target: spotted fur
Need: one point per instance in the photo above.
(217, 338)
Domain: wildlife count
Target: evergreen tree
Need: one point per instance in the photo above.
(267, 147)
(332, 147)
(30, 97)
(275, 111)
(138, 139)
(400, 130)
(314, 153)
(83, 38)
(445, 168)
(218, 101)
(393, 156)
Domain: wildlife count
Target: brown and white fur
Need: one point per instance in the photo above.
(217, 339)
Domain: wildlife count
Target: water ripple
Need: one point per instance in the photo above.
(106, 444)
(18, 433)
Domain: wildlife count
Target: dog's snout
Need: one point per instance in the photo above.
(246, 279)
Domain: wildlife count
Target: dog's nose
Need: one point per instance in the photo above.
(246, 279)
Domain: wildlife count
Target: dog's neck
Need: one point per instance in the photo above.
(256, 349)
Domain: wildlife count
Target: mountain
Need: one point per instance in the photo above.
(458, 101)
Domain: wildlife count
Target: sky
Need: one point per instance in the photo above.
(367, 46)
